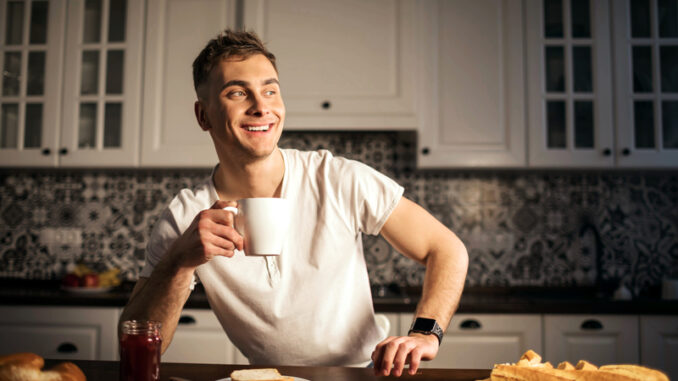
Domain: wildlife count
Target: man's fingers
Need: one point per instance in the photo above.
(229, 234)
(400, 358)
(415, 360)
(386, 362)
(378, 354)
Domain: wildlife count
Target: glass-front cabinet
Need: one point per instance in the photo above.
(646, 55)
(569, 84)
(31, 55)
(71, 82)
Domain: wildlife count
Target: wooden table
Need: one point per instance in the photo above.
(108, 371)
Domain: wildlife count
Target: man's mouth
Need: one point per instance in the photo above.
(258, 128)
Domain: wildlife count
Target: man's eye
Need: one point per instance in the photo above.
(237, 93)
(270, 92)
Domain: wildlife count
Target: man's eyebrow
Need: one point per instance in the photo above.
(238, 82)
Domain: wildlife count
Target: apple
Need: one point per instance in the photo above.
(71, 280)
(89, 280)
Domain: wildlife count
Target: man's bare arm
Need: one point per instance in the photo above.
(412, 231)
(162, 296)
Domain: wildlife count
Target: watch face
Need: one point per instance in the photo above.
(423, 324)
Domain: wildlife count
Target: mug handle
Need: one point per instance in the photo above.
(232, 209)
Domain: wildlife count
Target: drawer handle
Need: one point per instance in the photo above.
(67, 348)
(470, 324)
(591, 325)
(186, 320)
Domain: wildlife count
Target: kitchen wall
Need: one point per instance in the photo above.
(521, 227)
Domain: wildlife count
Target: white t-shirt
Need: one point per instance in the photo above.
(312, 304)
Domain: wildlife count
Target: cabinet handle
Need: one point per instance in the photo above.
(425, 151)
(607, 152)
(591, 325)
(326, 105)
(46, 151)
(63, 151)
(67, 348)
(626, 152)
(470, 324)
(186, 320)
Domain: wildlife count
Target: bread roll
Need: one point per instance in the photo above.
(265, 374)
(28, 367)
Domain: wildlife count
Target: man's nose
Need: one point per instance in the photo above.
(258, 105)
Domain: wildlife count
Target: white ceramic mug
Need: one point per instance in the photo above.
(263, 223)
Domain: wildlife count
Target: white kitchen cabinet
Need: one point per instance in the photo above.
(348, 65)
(646, 81)
(472, 93)
(71, 97)
(599, 339)
(478, 341)
(199, 338)
(82, 333)
(659, 343)
(569, 84)
(176, 31)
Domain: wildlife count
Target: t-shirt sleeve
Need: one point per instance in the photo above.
(163, 235)
(369, 195)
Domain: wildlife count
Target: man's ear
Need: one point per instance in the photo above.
(201, 115)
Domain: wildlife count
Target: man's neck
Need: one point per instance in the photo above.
(260, 178)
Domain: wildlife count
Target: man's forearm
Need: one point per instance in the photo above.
(160, 298)
(443, 283)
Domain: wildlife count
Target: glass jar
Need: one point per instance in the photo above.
(140, 349)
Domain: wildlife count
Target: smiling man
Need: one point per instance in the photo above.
(319, 309)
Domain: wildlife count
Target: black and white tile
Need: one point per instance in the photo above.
(540, 228)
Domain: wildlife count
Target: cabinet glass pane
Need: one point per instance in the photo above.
(87, 127)
(555, 69)
(92, 23)
(14, 23)
(668, 60)
(581, 18)
(583, 124)
(114, 71)
(38, 33)
(670, 124)
(33, 130)
(11, 74)
(9, 125)
(36, 73)
(553, 18)
(667, 11)
(642, 69)
(116, 20)
(640, 18)
(643, 118)
(89, 81)
(581, 62)
(112, 125)
(556, 122)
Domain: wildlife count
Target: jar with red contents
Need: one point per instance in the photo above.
(140, 350)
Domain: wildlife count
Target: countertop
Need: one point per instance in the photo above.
(511, 300)
(108, 371)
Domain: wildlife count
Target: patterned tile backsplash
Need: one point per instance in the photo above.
(521, 227)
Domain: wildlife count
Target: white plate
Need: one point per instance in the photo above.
(295, 378)
(86, 290)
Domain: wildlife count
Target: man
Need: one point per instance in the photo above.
(319, 310)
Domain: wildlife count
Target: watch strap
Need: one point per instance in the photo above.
(432, 328)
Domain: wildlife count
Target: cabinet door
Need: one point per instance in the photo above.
(60, 332)
(569, 84)
(343, 64)
(176, 31)
(31, 56)
(646, 80)
(659, 343)
(199, 338)
(478, 341)
(102, 88)
(472, 92)
(598, 339)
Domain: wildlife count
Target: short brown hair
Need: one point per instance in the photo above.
(227, 44)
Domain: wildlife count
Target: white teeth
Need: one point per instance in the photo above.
(257, 128)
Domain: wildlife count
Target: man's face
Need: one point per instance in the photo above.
(243, 108)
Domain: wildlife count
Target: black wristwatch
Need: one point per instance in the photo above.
(427, 327)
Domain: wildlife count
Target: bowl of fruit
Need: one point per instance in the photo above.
(84, 280)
